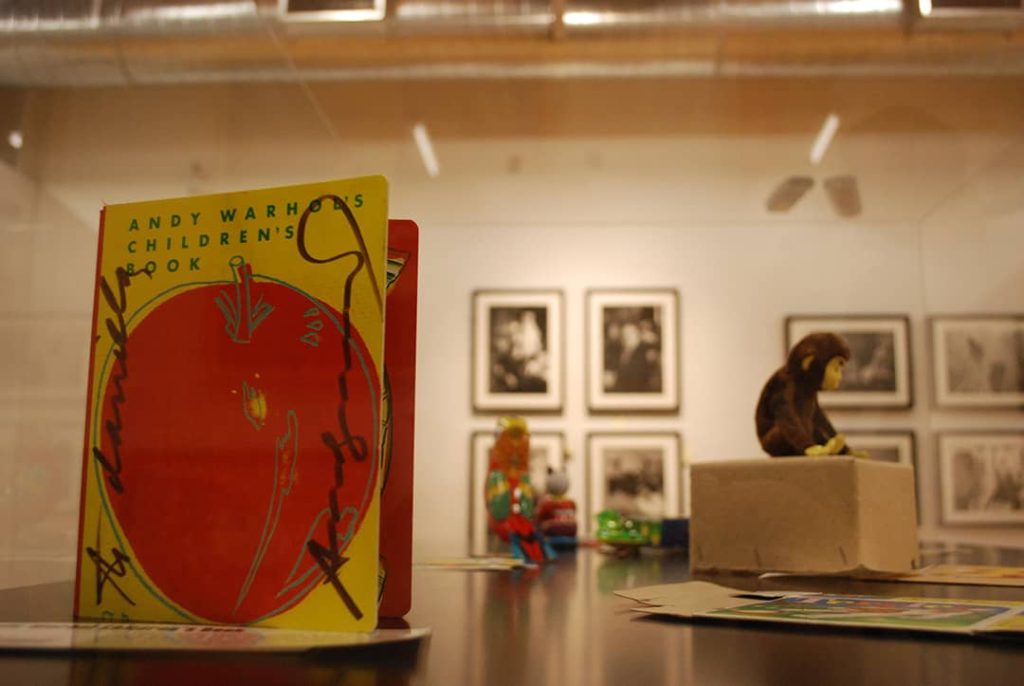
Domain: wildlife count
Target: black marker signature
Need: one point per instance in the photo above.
(118, 330)
(105, 569)
(328, 557)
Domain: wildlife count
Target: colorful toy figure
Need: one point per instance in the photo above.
(511, 502)
(620, 531)
(556, 514)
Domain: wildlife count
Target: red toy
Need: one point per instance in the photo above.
(556, 514)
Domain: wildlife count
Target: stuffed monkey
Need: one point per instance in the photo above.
(788, 417)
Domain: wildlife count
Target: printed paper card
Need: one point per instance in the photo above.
(232, 448)
(972, 575)
(703, 600)
(968, 575)
(1010, 624)
(64, 636)
(895, 613)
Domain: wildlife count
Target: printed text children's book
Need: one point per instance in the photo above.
(232, 448)
(399, 419)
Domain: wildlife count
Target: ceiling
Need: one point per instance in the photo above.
(127, 42)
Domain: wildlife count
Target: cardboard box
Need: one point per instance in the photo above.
(803, 514)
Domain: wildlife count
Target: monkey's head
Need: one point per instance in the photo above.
(817, 360)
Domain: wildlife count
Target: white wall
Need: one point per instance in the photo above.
(735, 295)
(939, 234)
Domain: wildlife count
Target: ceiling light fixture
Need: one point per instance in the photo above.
(426, 148)
(824, 139)
(862, 7)
(205, 12)
(15, 139)
(322, 12)
(582, 18)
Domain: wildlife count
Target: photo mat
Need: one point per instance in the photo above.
(633, 359)
(878, 373)
(518, 351)
(981, 478)
(978, 361)
(639, 474)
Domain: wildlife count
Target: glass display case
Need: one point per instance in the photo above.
(709, 177)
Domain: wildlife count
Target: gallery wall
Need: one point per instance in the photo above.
(939, 234)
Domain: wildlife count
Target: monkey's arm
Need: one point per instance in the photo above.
(834, 446)
(788, 425)
(832, 442)
(823, 429)
(825, 434)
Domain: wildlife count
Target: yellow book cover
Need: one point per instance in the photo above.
(232, 443)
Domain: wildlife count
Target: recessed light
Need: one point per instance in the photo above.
(426, 148)
(824, 139)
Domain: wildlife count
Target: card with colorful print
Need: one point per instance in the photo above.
(232, 448)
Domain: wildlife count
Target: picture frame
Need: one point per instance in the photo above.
(547, 449)
(981, 477)
(633, 350)
(518, 351)
(639, 474)
(978, 360)
(879, 372)
(897, 446)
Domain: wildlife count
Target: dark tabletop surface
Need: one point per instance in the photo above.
(561, 624)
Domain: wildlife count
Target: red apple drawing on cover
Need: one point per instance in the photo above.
(241, 420)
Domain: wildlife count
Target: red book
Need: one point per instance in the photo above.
(399, 419)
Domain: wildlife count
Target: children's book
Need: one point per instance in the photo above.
(233, 443)
(399, 419)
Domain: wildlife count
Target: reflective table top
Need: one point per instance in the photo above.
(562, 624)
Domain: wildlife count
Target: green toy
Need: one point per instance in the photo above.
(617, 530)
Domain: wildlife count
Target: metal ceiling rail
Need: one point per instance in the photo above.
(116, 42)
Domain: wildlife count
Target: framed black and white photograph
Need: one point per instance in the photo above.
(633, 350)
(885, 446)
(978, 361)
(878, 373)
(638, 474)
(981, 478)
(547, 449)
(517, 351)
